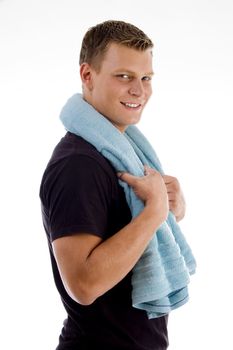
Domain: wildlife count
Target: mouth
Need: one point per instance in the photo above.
(131, 105)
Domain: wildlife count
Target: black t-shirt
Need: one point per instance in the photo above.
(80, 193)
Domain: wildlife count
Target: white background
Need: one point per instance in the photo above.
(187, 121)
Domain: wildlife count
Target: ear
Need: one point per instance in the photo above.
(86, 74)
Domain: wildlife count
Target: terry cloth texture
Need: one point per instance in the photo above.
(161, 275)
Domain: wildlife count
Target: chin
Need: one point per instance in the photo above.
(135, 120)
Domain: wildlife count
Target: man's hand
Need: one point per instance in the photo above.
(175, 197)
(151, 189)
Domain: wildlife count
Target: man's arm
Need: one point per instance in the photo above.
(89, 267)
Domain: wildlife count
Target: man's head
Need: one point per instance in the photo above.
(116, 71)
(98, 38)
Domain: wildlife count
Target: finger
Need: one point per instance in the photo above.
(120, 174)
(168, 179)
(174, 207)
(172, 184)
(127, 177)
(172, 196)
(148, 170)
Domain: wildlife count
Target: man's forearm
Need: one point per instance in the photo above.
(110, 261)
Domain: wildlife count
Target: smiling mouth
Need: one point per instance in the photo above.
(131, 105)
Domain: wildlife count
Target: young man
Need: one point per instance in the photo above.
(93, 242)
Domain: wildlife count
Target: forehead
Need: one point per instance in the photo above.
(119, 57)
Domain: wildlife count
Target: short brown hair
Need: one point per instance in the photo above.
(97, 39)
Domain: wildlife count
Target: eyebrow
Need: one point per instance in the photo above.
(131, 72)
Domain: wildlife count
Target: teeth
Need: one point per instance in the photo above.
(132, 105)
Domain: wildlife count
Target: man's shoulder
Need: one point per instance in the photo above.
(72, 144)
(74, 161)
(73, 148)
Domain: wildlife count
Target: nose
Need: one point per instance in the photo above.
(136, 88)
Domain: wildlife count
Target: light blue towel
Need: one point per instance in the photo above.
(161, 276)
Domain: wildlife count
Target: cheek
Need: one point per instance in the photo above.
(112, 93)
(149, 91)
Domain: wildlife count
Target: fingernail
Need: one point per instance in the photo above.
(119, 174)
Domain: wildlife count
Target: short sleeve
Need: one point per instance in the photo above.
(79, 198)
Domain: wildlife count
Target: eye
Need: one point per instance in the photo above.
(147, 78)
(124, 76)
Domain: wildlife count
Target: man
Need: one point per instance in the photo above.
(93, 241)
